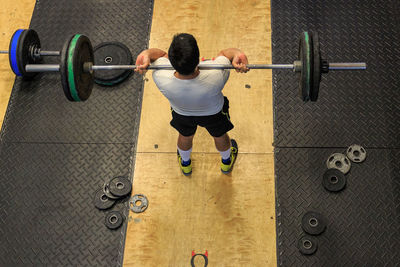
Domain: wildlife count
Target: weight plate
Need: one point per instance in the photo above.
(313, 223)
(112, 53)
(101, 201)
(307, 245)
(114, 220)
(120, 186)
(107, 192)
(339, 161)
(64, 69)
(334, 180)
(316, 76)
(80, 82)
(356, 153)
(144, 203)
(306, 58)
(20, 51)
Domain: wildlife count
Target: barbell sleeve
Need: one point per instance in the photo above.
(42, 53)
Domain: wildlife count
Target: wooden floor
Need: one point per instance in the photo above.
(230, 216)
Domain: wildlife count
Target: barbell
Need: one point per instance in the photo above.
(76, 66)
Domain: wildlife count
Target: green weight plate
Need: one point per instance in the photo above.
(317, 64)
(307, 66)
(64, 69)
(80, 83)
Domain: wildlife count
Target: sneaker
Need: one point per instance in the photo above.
(187, 168)
(227, 168)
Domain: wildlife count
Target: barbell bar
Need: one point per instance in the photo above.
(77, 67)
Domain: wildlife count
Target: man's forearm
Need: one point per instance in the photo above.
(155, 53)
(230, 53)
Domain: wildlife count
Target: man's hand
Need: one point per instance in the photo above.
(240, 61)
(142, 62)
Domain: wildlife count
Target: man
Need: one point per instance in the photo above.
(195, 95)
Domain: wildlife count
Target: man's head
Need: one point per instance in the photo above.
(184, 53)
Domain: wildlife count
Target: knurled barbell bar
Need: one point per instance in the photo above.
(77, 67)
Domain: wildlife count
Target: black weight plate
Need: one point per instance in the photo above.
(306, 58)
(307, 245)
(64, 69)
(27, 39)
(334, 180)
(112, 53)
(113, 220)
(120, 186)
(316, 76)
(80, 83)
(313, 223)
(101, 201)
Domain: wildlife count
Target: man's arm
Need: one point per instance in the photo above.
(237, 58)
(148, 56)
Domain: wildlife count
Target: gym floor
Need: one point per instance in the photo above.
(232, 217)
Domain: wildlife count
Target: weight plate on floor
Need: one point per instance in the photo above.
(339, 161)
(112, 53)
(313, 223)
(334, 180)
(114, 220)
(106, 191)
(316, 76)
(307, 67)
(144, 203)
(64, 69)
(120, 186)
(356, 153)
(101, 201)
(80, 82)
(20, 47)
(307, 245)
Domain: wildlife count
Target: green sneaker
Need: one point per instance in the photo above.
(227, 168)
(186, 170)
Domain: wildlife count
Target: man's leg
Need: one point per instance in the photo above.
(184, 149)
(228, 149)
(223, 142)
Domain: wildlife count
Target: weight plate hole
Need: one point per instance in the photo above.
(356, 153)
(362, 150)
(338, 164)
(331, 158)
(334, 180)
(113, 219)
(347, 162)
(104, 198)
(120, 185)
(356, 159)
(307, 244)
(108, 59)
(313, 222)
(349, 149)
(138, 203)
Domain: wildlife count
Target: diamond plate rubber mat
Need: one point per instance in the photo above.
(55, 154)
(363, 220)
(39, 111)
(354, 106)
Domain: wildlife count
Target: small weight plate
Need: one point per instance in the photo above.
(20, 51)
(356, 153)
(307, 67)
(80, 83)
(316, 76)
(339, 161)
(313, 223)
(138, 208)
(120, 186)
(112, 53)
(64, 69)
(334, 180)
(307, 245)
(107, 192)
(101, 201)
(114, 220)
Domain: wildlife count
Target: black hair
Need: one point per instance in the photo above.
(184, 53)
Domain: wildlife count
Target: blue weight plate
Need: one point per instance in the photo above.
(13, 52)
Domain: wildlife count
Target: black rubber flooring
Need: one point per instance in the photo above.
(54, 154)
(359, 107)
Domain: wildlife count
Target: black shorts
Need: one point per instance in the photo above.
(217, 124)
